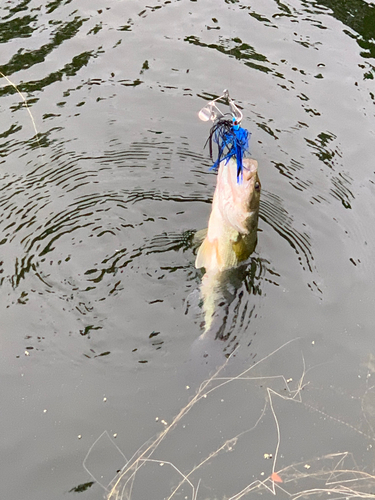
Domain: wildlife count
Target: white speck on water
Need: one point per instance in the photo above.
(104, 400)
(79, 436)
(27, 353)
(115, 435)
(44, 411)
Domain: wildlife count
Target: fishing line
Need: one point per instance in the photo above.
(231, 42)
(232, 140)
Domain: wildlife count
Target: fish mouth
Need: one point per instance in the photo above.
(250, 168)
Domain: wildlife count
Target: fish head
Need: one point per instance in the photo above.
(238, 198)
(251, 183)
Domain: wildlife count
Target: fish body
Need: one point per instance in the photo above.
(232, 227)
(232, 230)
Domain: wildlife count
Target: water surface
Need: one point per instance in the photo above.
(104, 179)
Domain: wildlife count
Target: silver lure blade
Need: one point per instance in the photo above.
(209, 112)
(212, 112)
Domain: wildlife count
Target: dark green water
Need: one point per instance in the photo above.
(99, 293)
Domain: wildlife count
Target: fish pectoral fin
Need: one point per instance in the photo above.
(243, 247)
(239, 249)
(237, 238)
(208, 255)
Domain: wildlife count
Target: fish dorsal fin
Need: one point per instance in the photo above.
(208, 255)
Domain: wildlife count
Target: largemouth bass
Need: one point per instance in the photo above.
(232, 229)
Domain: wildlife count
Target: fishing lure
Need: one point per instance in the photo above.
(232, 140)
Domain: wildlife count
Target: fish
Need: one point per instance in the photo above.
(231, 236)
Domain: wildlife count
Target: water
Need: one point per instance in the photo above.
(96, 263)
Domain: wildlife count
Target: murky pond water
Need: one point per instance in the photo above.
(99, 302)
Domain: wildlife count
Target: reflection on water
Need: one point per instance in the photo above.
(359, 16)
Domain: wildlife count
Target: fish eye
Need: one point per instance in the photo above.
(257, 186)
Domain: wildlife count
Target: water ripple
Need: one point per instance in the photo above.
(274, 214)
(61, 203)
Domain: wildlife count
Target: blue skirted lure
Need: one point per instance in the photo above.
(232, 141)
